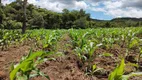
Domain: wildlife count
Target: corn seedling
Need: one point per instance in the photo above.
(140, 54)
(93, 70)
(118, 73)
(27, 65)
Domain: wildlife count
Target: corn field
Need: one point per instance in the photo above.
(100, 54)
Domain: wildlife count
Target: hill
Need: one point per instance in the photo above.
(118, 22)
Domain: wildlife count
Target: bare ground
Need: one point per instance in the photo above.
(12, 55)
(66, 67)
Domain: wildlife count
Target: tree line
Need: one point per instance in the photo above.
(21, 15)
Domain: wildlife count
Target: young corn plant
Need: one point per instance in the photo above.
(93, 70)
(5, 41)
(9, 37)
(107, 42)
(134, 43)
(50, 39)
(140, 54)
(86, 52)
(89, 49)
(118, 73)
(80, 54)
(26, 69)
(78, 38)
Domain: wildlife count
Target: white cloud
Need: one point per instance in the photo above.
(98, 9)
(112, 5)
(7, 1)
(59, 5)
(120, 8)
(32, 1)
(56, 5)
(81, 5)
(115, 8)
(129, 12)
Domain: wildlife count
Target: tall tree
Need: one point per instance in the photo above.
(0, 3)
(24, 16)
(0, 12)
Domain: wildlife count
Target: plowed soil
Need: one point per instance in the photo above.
(67, 66)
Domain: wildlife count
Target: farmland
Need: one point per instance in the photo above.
(73, 54)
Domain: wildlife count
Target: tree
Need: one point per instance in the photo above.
(0, 12)
(107, 25)
(65, 18)
(80, 23)
(24, 16)
(0, 3)
(82, 13)
(37, 21)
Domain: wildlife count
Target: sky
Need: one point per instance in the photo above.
(98, 9)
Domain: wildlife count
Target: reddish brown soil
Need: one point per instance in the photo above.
(64, 68)
(12, 55)
(67, 67)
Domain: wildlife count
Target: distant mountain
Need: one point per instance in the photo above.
(98, 20)
(118, 22)
(120, 19)
(126, 19)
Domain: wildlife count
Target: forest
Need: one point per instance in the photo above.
(11, 17)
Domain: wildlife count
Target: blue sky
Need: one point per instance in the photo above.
(99, 9)
(99, 15)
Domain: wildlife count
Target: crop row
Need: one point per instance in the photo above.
(85, 43)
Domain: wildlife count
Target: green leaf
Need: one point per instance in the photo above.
(134, 42)
(23, 77)
(26, 66)
(141, 50)
(30, 53)
(118, 72)
(94, 67)
(133, 64)
(11, 67)
(42, 74)
(126, 77)
(107, 54)
(13, 72)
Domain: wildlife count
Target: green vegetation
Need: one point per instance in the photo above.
(41, 38)
(12, 17)
(98, 45)
(23, 70)
(85, 43)
(118, 73)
